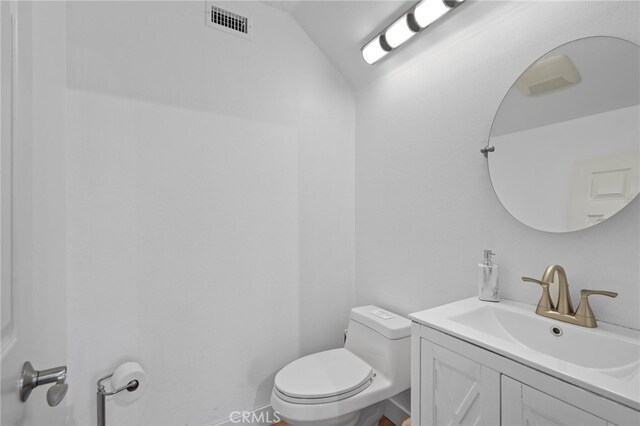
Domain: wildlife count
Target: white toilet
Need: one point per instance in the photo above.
(343, 386)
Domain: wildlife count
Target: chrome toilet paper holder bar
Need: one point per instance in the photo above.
(103, 394)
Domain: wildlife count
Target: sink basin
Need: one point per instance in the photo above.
(605, 360)
(577, 345)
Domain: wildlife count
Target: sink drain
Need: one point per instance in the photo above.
(556, 331)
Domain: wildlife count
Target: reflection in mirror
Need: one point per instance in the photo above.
(567, 136)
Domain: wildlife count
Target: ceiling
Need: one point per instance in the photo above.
(341, 27)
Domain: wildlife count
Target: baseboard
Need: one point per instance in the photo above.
(398, 407)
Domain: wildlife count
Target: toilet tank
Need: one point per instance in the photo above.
(383, 340)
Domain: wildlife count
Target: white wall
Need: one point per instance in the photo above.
(210, 206)
(425, 208)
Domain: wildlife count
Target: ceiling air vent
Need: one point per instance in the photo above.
(227, 21)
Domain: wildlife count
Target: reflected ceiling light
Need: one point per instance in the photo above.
(400, 31)
(374, 51)
(425, 13)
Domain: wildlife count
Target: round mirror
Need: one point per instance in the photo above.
(567, 136)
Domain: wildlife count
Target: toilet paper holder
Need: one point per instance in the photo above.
(103, 394)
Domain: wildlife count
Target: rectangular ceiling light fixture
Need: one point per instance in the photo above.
(415, 20)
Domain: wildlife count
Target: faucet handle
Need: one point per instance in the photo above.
(584, 311)
(545, 304)
(587, 293)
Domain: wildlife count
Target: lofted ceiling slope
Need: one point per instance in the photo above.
(341, 27)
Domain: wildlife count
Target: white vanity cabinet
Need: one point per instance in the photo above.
(456, 390)
(455, 382)
(524, 405)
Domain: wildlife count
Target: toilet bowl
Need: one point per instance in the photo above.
(346, 386)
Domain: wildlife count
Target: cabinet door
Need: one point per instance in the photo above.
(523, 405)
(456, 390)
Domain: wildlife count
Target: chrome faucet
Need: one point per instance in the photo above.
(564, 310)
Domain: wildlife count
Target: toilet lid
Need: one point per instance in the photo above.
(323, 376)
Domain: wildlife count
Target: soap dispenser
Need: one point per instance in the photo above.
(488, 279)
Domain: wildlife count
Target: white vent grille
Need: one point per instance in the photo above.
(227, 21)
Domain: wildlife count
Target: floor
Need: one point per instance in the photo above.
(385, 422)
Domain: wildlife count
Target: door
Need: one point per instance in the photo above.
(10, 352)
(32, 243)
(601, 187)
(456, 390)
(524, 405)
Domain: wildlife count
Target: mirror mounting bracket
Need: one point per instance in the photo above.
(486, 150)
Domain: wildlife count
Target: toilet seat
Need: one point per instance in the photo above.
(323, 377)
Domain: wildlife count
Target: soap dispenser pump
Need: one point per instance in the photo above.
(488, 279)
